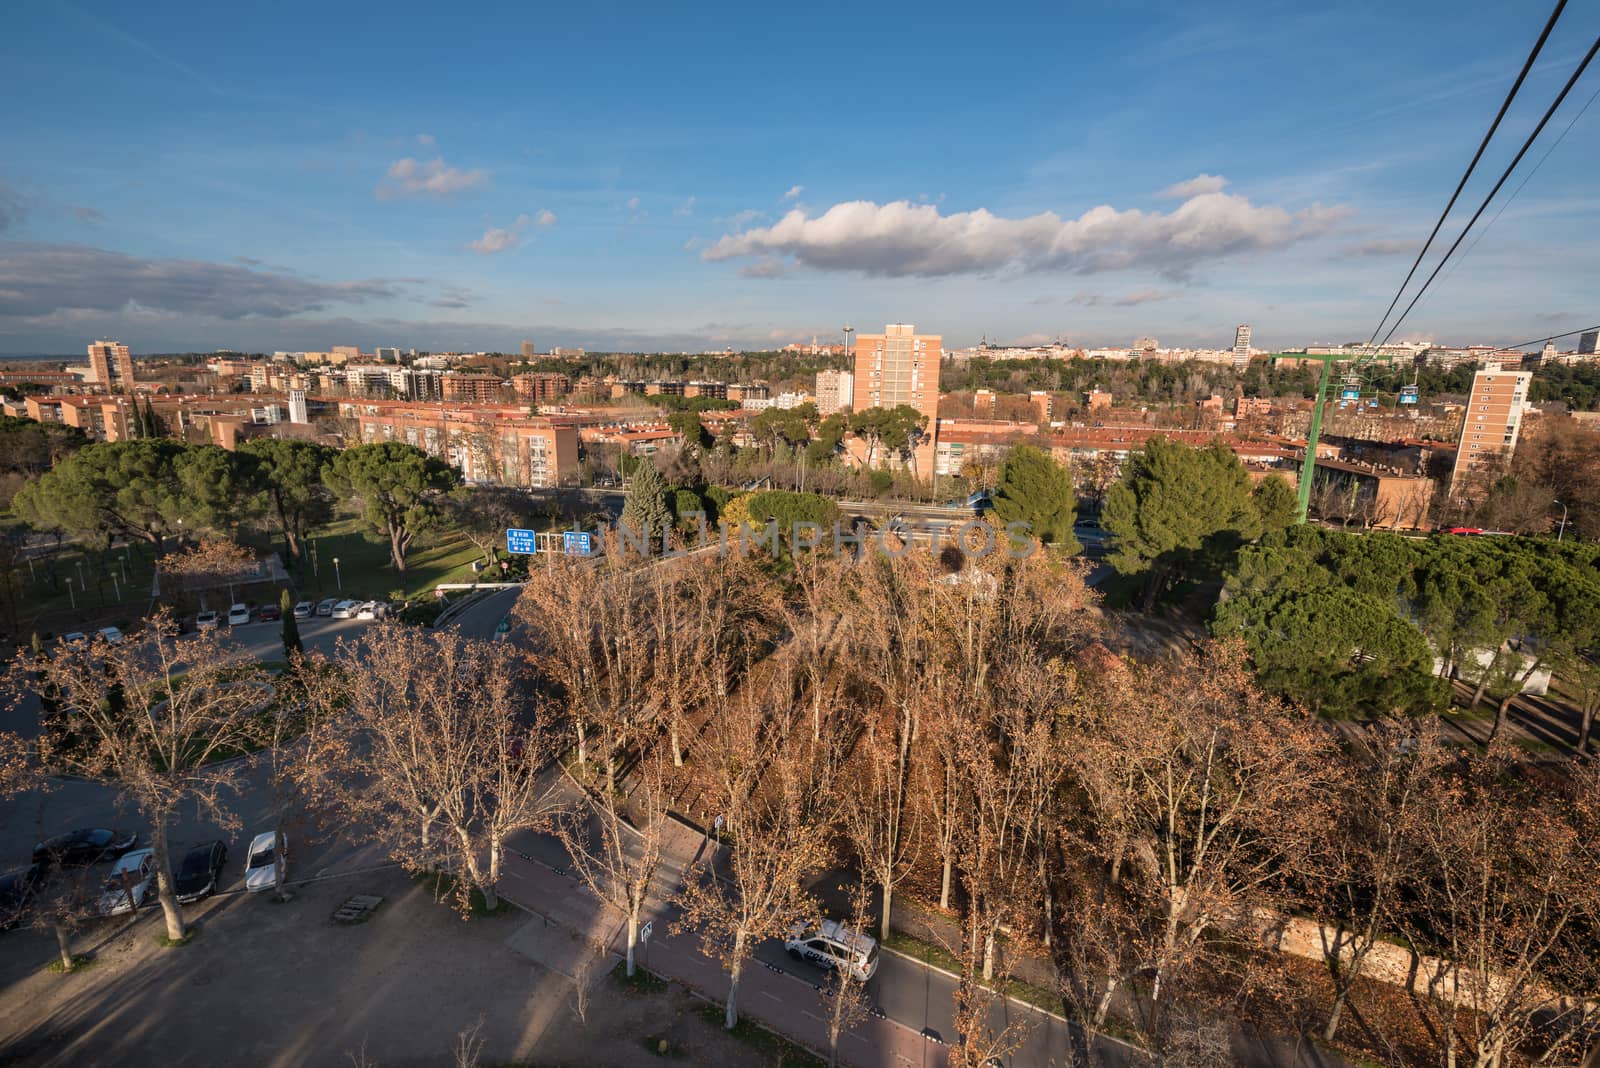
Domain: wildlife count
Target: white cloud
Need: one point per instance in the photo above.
(743, 218)
(546, 217)
(431, 177)
(632, 203)
(498, 239)
(794, 192)
(766, 267)
(426, 140)
(1199, 185)
(685, 209)
(905, 239)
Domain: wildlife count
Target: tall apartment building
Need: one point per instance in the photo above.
(528, 350)
(901, 366)
(297, 406)
(112, 366)
(1589, 343)
(475, 388)
(1241, 342)
(540, 387)
(835, 391)
(488, 446)
(1491, 423)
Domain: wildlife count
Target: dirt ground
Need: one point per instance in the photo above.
(280, 985)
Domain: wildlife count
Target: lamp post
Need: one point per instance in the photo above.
(70, 597)
(337, 577)
(116, 588)
(1563, 528)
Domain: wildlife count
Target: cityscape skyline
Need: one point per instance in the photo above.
(696, 204)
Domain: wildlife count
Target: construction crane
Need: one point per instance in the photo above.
(1309, 465)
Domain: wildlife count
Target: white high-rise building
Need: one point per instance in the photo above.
(297, 406)
(1241, 342)
(835, 391)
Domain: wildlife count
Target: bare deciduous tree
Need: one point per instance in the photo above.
(773, 842)
(427, 731)
(616, 858)
(155, 717)
(1508, 898)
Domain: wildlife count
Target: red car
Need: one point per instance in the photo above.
(270, 613)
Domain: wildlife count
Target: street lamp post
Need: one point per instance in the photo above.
(116, 588)
(1563, 528)
(70, 597)
(337, 577)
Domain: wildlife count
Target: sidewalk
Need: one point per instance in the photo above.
(777, 1000)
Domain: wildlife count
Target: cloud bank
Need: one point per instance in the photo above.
(39, 281)
(905, 239)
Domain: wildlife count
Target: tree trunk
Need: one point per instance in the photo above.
(63, 946)
(731, 1016)
(944, 881)
(170, 909)
(278, 865)
(677, 749)
(883, 923)
(1585, 728)
(633, 938)
(988, 957)
(397, 549)
(1500, 716)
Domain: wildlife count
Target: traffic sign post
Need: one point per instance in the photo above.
(521, 541)
(577, 542)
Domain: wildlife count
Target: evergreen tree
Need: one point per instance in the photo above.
(645, 507)
(1036, 490)
(291, 628)
(1178, 510)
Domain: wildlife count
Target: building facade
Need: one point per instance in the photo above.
(111, 364)
(1589, 343)
(1241, 342)
(835, 391)
(901, 366)
(1491, 423)
(472, 388)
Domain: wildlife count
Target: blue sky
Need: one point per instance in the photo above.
(687, 176)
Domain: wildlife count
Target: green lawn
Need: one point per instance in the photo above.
(365, 569)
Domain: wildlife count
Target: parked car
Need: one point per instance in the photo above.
(345, 609)
(205, 621)
(259, 871)
(831, 944)
(367, 610)
(303, 610)
(109, 634)
(200, 871)
(16, 891)
(270, 613)
(325, 606)
(84, 846)
(75, 637)
(133, 876)
(239, 613)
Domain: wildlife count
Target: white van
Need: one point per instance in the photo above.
(831, 944)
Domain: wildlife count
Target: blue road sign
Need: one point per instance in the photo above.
(577, 542)
(520, 541)
(1350, 394)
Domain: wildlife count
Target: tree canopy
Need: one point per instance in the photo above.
(401, 490)
(125, 489)
(644, 509)
(1176, 510)
(288, 476)
(1036, 490)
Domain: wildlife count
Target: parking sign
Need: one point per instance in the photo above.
(577, 542)
(520, 541)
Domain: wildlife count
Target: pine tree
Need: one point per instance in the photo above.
(1036, 490)
(644, 510)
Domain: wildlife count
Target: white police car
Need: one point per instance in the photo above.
(830, 944)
